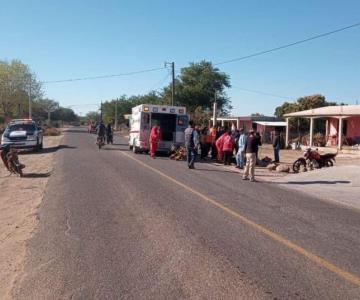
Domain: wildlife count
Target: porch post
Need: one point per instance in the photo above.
(326, 129)
(222, 123)
(287, 133)
(340, 133)
(311, 131)
(214, 113)
(237, 123)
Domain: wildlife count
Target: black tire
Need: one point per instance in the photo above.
(135, 149)
(37, 147)
(297, 165)
(16, 169)
(329, 163)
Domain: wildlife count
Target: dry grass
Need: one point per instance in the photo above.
(51, 131)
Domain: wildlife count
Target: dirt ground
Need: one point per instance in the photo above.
(19, 200)
(287, 157)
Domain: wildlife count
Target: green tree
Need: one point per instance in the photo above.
(15, 81)
(64, 114)
(125, 104)
(41, 108)
(92, 116)
(304, 103)
(49, 106)
(196, 86)
(201, 116)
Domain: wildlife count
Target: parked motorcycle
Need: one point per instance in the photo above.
(11, 161)
(314, 160)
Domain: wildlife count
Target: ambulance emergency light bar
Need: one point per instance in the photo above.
(164, 109)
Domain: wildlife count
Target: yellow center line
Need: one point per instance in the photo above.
(311, 256)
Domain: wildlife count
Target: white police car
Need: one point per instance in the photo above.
(23, 134)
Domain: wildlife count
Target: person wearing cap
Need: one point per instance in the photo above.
(240, 152)
(192, 143)
(250, 148)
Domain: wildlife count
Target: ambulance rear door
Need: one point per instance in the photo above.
(182, 122)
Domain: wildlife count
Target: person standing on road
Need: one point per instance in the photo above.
(258, 136)
(192, 144)
(235, 135)
(250, 149)
(213, 132)
(109, 133)
(240, 153)
(155, 136)
(226, 146)
(276, 146)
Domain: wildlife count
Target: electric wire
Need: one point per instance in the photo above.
(215, 64)
(260, 92)
(287, 45)
(103, 76)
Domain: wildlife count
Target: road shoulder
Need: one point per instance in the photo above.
(19, 202)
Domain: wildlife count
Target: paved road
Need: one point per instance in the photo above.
(114, 225)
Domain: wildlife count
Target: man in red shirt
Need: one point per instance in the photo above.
(154, 140)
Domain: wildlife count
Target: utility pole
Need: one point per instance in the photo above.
(173, 84)
(116, 113)
(214, 109)
(173, 81)
(30, 114)
(100, 111)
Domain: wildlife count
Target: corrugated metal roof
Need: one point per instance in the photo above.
(276, 124)
(328, 111)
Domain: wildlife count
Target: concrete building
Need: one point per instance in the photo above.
(342, 123)
(265, 125)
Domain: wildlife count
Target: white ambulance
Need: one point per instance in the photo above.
(172, 120)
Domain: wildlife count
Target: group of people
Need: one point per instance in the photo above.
(105, 131)
(224, 143)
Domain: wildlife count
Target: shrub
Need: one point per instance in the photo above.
(51, 131)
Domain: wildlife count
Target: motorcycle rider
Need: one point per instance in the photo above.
(101, 131)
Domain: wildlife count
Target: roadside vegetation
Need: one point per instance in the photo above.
(18, 84)
(196, 86)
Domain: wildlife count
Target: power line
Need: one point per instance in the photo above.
(86, 104)
(218, 63)
(287, 45)
(103, 76)
(260, 92)
(160, 82)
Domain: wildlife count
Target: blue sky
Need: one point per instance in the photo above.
(69, 39)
